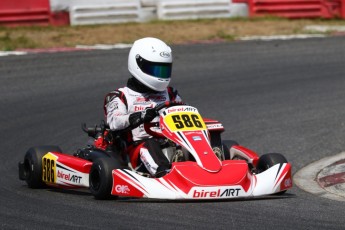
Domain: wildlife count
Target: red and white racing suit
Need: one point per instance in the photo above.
(119, 104)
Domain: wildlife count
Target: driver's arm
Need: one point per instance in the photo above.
(174, 95)
(178, 98)
(116, 112)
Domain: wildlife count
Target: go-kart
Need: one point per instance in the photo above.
(202, 166)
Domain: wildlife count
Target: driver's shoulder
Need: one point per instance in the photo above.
(172, 92)
(117, 93)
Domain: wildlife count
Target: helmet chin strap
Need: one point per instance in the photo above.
(139, 87)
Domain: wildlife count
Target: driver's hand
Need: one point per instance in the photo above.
(149, 114)
(135, 119)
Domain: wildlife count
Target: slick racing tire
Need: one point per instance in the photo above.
(268, 160)
(227, 144)
(33, 165)
(101, 179)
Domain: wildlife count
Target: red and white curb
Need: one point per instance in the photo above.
(311, 30)
(8, 53)
(281, 37)
(65, 49)
(105, 47)
(324, 178)
(324, 29)
(332, 178)
(35, 51)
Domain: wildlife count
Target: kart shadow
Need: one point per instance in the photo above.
(78, 192)
(86, 192)
(146, 200)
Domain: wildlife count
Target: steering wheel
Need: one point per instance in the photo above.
(149, 125)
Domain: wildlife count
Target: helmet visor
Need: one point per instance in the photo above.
(155, 69)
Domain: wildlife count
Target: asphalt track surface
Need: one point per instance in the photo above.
(277, 96)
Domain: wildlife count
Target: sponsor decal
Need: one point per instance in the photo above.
(141, 100)
(196, 138)
(287, 183)
(165, 54)
(215, 126)
(138, 108)
(192, 133)
(113, 106)
(215, 192)
(182, 109)
(122, 189)
(157, 97)
(69, 177)
(147, 100)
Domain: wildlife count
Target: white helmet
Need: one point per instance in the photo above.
(150, 62)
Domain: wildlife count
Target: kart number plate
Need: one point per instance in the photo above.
(184, 121)
(49, 168)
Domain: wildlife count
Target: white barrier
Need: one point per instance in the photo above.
(149, 3)
(193, 9)
(148, 10)
(239, 10)
(59, 5)
(87, 12)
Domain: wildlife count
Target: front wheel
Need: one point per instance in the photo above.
(101, 179)
(268, 160)
(227, 144)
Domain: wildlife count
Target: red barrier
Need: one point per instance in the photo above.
(342, 9)
(30, 12)
(297, 8)
(24, 12)
(332, 8)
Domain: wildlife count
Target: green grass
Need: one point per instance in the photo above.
(223, 35)
(12, 38)
(9, 43)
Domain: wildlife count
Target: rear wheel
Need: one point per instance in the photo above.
(33, 164)
(101, 179)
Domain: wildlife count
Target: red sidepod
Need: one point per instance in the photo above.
(75, 163)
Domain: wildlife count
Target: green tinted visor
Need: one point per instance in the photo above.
(155, 69)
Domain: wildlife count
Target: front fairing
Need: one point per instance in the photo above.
(187, 180)
(185, 126)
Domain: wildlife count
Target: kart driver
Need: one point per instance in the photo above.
(150, 64)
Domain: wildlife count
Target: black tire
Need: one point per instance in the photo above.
(227, 144)
(268, 160)
(33, 164)
(101, 179)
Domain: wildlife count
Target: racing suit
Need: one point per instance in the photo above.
(135, 97)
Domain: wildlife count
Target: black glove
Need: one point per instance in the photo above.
(135, 119)
(149, 114)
